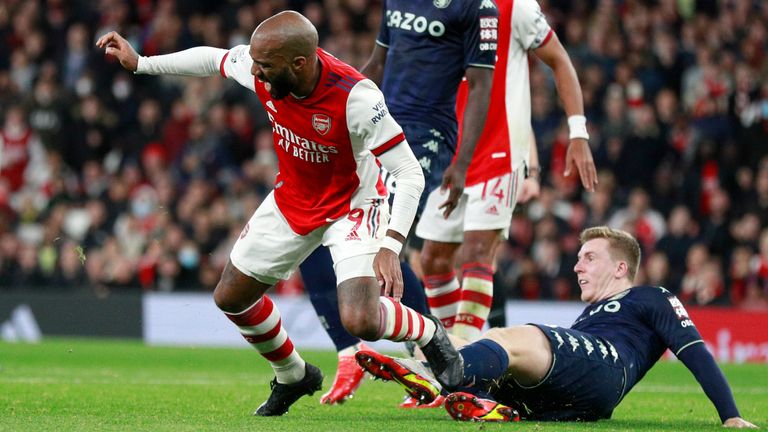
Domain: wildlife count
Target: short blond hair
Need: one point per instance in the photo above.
(621, 246)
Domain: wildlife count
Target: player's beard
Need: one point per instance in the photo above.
(282, 84)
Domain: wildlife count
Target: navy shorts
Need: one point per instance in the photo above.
(434, 151)
(585, 383)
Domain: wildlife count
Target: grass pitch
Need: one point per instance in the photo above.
(99, 385)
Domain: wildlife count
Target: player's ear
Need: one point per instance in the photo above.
(298, 62)
(622, 270)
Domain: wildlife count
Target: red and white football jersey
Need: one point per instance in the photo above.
(326, 143)
(505, 142)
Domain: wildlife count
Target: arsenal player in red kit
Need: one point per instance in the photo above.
(329, 126)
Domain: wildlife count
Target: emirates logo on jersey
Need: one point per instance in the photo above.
(321, 123)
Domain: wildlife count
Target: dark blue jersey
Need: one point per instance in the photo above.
(429, 45)
(639, 324)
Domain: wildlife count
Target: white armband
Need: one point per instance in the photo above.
(392, 244)
(577, 127)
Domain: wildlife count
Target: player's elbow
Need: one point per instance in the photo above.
(410, 178)
(415, 176)
(418, 180)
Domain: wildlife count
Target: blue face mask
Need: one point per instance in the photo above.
(142, 208)
(188, 258)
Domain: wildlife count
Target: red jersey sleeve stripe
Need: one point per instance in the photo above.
(221, 65)
(397, 139)
(547, 38)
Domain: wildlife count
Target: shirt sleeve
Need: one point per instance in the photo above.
(529, 25)
(368, 119)
(198, 61)
(236, 64)
(670, 320)
(481, 34)
(703, 366)
(383, 38)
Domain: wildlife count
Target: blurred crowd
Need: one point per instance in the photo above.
(118, 181)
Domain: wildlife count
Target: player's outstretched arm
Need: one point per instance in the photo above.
(703, 366)
(738, 423)
(198, 62)
(579, 154)
(117, 46)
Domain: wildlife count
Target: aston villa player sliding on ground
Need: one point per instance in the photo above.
(328, 129)
(580, 373)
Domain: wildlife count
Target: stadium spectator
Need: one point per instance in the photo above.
(640, 218)
(625, 329)
(681, 235)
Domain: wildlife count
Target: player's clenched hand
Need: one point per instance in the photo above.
(579, 156)
(453, 180)
(117, 46)
(386, 266)
(739, 423)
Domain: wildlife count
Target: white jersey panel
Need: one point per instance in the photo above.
(236, 64)
(370, 126)
(368, 118)
(529, 30)
(529, 25)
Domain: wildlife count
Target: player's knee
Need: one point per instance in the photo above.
(226, 300)
(476, 252)
(515, 340)
(360, 323)
(222, 299)
(433, 261)
(235, 293)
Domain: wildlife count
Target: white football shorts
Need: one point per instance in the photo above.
(484, 206)
(269, 250)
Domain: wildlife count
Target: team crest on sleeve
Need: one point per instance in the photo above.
(441, 4)
(321, 123)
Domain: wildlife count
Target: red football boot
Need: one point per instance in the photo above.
(349, 376)
(468, 407)
(412, 402)
(411, 374)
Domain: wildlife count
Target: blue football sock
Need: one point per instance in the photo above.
(413, 292)
(484, 362)
(320, 284)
